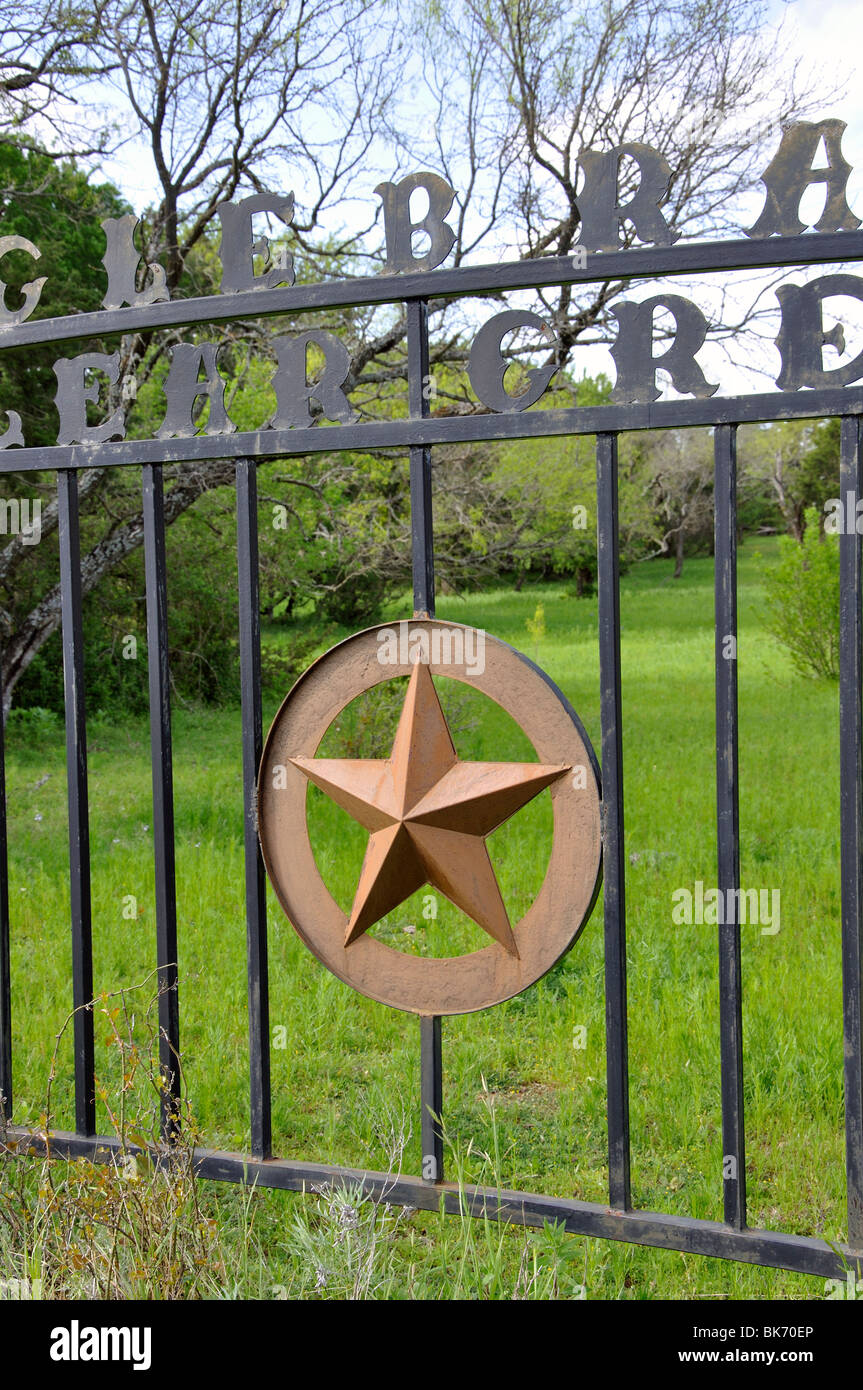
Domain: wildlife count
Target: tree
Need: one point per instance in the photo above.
(222, 102)
(799, 460)
(677, 470)
(46, 53)
(229, 99)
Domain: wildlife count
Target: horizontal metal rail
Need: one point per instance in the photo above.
(636, 263)
(451, 429)
(775, 1249)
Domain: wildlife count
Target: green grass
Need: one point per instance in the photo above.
(513, 1079)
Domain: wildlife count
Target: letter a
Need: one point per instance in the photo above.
(790, 173)
(183, 387)
(681, 913)
(60, 1344)
(834, 521)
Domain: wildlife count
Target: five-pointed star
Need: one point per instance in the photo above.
(429, 815)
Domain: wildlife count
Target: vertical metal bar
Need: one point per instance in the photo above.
(256, 894)
(422, 544)
(851, 806)
(614, 884)
(420, 459)
(163, 794)
(79, 820)
(5, 933)
(727, 821)
(431, 1091)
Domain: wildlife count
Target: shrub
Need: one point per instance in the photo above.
(133, 1227)
(283, 663)
(803, 599)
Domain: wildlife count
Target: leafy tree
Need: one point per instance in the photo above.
(520, 87)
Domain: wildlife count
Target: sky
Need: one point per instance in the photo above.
(829, 33)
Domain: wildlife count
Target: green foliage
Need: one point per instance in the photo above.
(282, 665)
(551, 488)
(367, 726)
(355, 598)
(34, 722)
(112, 683)
(803, 599)
(129, 1228)
(552, 484)
(202, 603)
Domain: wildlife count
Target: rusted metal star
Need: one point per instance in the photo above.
(429, 815)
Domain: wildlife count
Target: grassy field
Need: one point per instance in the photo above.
(520, 1100)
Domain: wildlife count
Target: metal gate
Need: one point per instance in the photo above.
(731, 1238)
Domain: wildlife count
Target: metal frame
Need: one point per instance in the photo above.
(730, 1239)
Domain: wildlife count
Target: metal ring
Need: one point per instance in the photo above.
(421, 984)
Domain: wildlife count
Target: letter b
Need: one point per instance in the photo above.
(399, 228)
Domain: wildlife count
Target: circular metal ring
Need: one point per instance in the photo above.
(422, 984)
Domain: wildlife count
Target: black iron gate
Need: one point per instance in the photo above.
(618, 1220)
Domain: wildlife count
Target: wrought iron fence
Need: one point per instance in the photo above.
(730, 1238)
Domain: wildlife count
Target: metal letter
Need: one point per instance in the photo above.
(183, 387)
(790, 173)
(486, 366)
(73, 394)
(633, 350)
(14, 434)
(121, 261)
(293, 391)
(239, 244)
(399, 229)
(31, 291)
(801, 335)
(601, 213)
